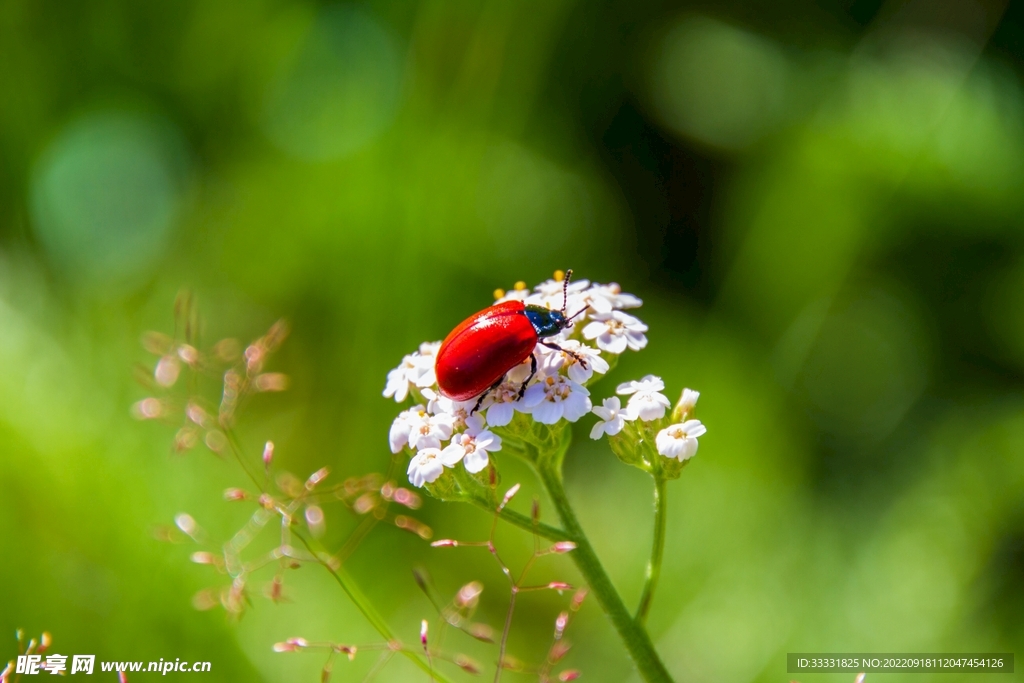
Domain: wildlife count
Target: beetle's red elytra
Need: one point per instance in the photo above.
(475, 356)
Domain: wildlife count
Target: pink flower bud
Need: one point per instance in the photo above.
(467, 664)
(445, 543)
(166, 371)
(423, 633)
(568, 675)
(290, 645)
(559, 650)
(482, 632)
(203, 557)
(235, 494)
(315, 520)
(560, 623)
(577, 599)
(268, 453)
(185, 522)
(563, 547)
(271, 381)
(188, 353)
(148, 409)
(509, 495)
(468, 594)
(317, 477)
(559, 586)
(407, 498)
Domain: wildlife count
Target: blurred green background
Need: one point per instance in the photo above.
(820, 203)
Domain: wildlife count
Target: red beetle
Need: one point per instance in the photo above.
(475, 356)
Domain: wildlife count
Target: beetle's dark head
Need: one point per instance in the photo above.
(546, 322)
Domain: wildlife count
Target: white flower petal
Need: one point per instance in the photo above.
(452, 454)
(534, 395)
(500, 414)
(548, 412)
(475, 461)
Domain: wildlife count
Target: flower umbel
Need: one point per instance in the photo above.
(551, 397)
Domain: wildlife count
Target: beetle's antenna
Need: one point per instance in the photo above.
(577, 313)
(565, 290)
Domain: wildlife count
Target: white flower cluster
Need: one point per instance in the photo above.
(647, 403)
(557, 391)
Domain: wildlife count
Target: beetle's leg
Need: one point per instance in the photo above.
(480, 400)
(577, 357)
(533, 371)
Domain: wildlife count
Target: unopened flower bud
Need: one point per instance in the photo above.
(563, 547)
(186, 439)
(445, 543)
(271, 381)
(44, 642)
(315, 520)
(511, 663)
(684, 408)
(559, 650)
(275, 589)
(482, 632)
(509, 495)
(467, 664)
(196, 414)
(414, 525)
(577, 599)
(235, 494)
(185, 522)
(148, 409)
(559, 586)
(469, 594)
(365, 503)
(317, 477)
(407, 498)
(203, 557)
(189, 354)
(568, 675)
(290, 645)
(166, 371)
(560, 623)
(423, 633)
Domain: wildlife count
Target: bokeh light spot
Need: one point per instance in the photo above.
(526, 200)
(718, 84)
(106, 193)
(338, 91)
(867, 366)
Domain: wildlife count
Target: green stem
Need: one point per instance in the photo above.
(363, 604)
(525, 523)
(657, 549)
(633, 635)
